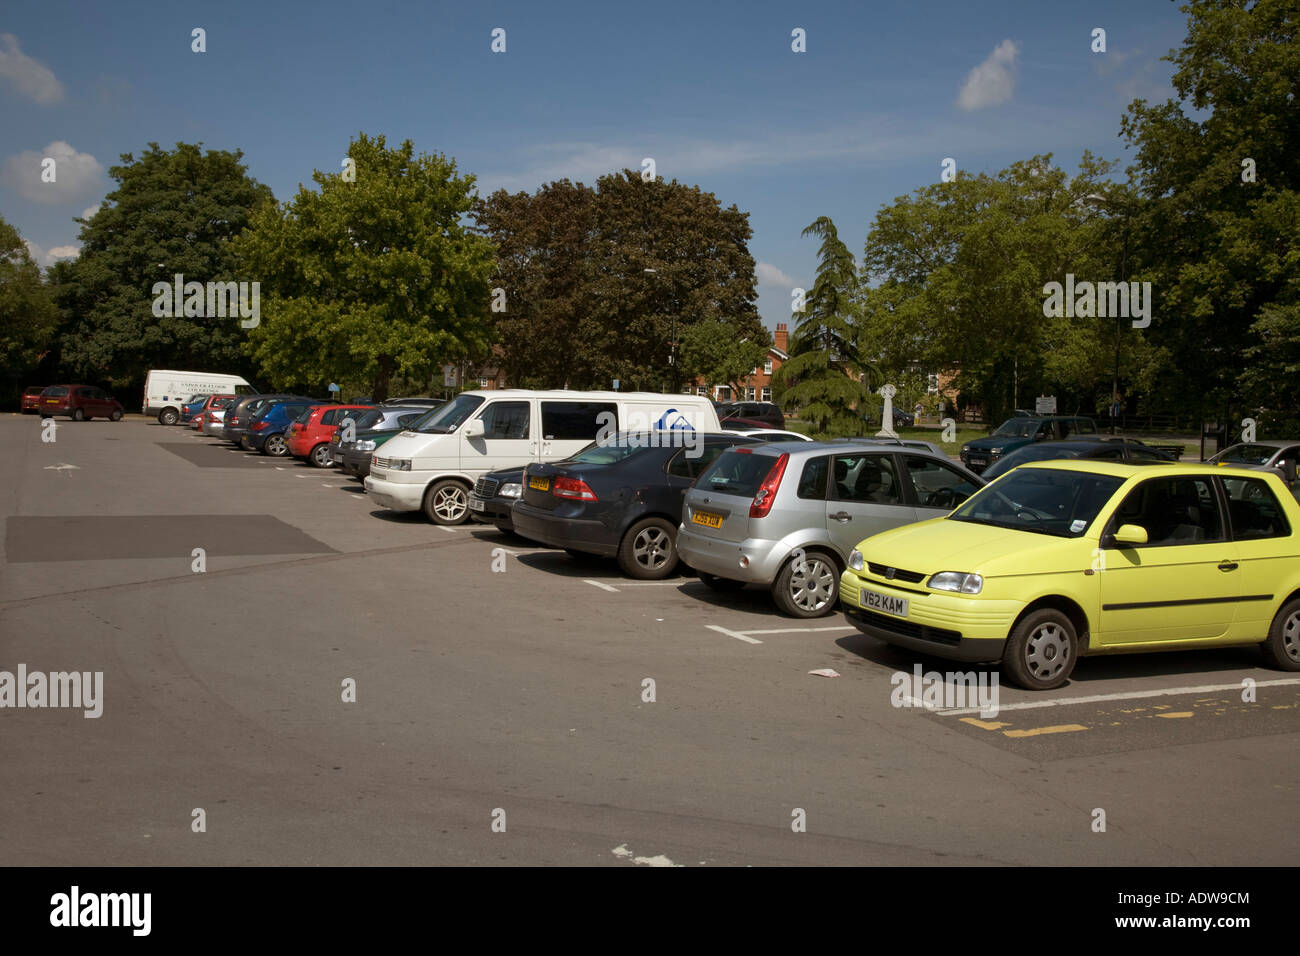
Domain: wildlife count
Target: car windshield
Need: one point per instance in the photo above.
(1042, 500)
(445, 419)
(1017, 428)
(1248, 454)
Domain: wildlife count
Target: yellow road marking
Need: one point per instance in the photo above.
(1177, 713)
(1058, 729)
(984, 724)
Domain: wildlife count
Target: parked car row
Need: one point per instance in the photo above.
(1085, 546)
(77, 402)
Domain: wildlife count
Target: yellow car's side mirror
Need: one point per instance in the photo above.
(1130, 534)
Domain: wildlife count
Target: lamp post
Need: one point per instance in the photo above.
(1098, 199)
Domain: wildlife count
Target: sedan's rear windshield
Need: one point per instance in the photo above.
(305, 417)
(1041, 500)
(736, 473)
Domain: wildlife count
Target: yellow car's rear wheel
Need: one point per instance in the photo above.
(1282, 648)
(1041, 651)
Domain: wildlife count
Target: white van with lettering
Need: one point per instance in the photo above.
(166, 390)
(434, 469)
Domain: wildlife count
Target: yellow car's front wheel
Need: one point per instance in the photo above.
(1282, 648)
(1041, 651)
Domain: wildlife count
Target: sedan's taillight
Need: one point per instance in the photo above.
(762, 503)
(573, 488)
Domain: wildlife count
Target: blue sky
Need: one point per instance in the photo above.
(712, 91)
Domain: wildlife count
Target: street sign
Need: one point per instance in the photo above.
(1045, 405)
(334, 388)
(616, 385)
(449, 376)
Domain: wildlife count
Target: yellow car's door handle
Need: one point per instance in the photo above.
(1227, 565)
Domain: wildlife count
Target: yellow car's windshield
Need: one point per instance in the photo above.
(1041, 500)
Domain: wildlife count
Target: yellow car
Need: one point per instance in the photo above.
(1059, 559)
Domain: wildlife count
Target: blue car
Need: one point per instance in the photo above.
(266, 431)
(191, 408)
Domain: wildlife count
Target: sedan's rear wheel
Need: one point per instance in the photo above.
(1282, 648)
(1041, 651)
(807, 586)
(78, 415)
(447, 503)
(649, 550)
(116, 415)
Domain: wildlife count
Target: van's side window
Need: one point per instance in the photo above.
(569, 421)
(506, 420)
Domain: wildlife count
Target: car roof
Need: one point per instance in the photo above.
(1120, 469)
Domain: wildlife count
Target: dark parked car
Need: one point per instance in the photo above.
(352, 453)
(1133, 452)
(239, 415)
(80, 403)
(32, 400)
(1016, 433)
(495, 494)
(620, 499)
(761, 413)
(266, 432)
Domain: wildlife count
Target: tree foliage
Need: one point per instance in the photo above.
(370, 278)
(173, 211)
(27, 314)
(713, 350)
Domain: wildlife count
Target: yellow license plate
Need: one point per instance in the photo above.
(707, 518)
(540, 484)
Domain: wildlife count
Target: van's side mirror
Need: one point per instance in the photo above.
(1130, 534)
(475, 429)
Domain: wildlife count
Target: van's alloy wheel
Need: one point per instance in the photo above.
(807, 587)
(648, 551)
(1282, 647)
(168, 416)
(447, 503)
(1041, 651)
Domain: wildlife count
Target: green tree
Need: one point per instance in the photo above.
(1219, 171)
(371, 278)
(825, 375)
(28, 318)
(173, 211)
(712, 349)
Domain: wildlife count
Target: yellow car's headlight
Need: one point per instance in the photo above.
(958, 581)
(855, 559)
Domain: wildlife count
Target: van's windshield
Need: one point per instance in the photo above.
(445, 419)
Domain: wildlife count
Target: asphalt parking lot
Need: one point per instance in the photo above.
(501, 711)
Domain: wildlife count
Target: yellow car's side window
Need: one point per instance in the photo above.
(1174, 510)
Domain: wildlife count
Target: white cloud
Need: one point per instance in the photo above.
(993, 81)
(47, 257)
(28, 77)
(769, 274)
(76, 175)
(88, 212)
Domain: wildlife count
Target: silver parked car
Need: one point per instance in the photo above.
(787, 514)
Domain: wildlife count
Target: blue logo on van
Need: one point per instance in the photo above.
(679, 423)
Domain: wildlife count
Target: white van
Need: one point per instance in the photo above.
(165, 390)
(434, 469)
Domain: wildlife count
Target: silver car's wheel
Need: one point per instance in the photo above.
(807, 586)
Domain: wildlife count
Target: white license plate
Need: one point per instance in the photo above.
(475, 505)
(875, 601)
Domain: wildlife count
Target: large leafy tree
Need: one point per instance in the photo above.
(543, 244)
(1225, 250)
(173, 211)
(712, 350)
(27, 314)
(371, 278)
(825, 375)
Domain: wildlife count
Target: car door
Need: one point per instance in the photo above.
(1185, 582)
(509, 437)
(866, 497)
(1266, 544)
(937, 486)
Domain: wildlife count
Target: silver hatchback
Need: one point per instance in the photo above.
(786, 515)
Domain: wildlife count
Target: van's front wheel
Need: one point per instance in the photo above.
(447, 502)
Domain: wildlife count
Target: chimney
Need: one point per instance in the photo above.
(781, 338)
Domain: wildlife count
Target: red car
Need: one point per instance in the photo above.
(309, 436)
(79, 402)
(32, 399)
(202, 416)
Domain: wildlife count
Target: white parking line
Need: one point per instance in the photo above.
(736, 634)
(1135, 695)
(597, 584)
